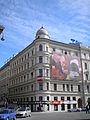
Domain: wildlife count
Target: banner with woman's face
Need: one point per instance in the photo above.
(65, 67)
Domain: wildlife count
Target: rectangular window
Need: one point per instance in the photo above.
(40, 86)
(47, 72)
(27, 76)
(55, 98)
(28, 65)
(24, 77)
(31, 98)
(63, 87)
(32, 63)
(32, 87)
(54, 49)
(25, 57)
(40, 47)
(67, 87)
(72, 88)
(46, 49)
(86, 76)
(40, 98)
(62, 98)
(48, 98)
(31, 75)
(25, 67)
(79, 89)
(32, 52)
(40, 59)
(85, 65)
(47, 86)
(40, 72)
(55, 87)
(87, 88)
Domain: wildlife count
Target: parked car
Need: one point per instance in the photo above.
(74, 110)
(23, 112)
(7, 114)
(83, 109)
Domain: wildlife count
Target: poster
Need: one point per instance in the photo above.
(65, 67)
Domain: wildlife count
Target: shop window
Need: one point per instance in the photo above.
(68, 106)
(55, 107)
(74, 98)
(74, 105)
(62, 107)
(47, 107)
(68, 98)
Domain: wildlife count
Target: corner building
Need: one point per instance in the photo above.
(47, 75)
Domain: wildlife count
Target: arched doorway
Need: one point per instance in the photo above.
(79, 103)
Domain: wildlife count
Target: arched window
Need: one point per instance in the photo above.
(40, 47)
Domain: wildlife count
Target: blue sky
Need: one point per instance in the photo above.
(63, 19)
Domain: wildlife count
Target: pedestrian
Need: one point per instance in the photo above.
(87, 109)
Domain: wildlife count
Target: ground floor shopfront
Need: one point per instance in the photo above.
(40, 106)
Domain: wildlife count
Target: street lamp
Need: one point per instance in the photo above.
(1, 30)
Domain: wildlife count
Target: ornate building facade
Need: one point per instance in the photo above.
(49, 75)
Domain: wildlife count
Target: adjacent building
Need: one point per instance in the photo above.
(49, 75)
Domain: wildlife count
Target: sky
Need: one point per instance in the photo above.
(63, 19)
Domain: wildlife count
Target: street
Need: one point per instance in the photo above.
(58, 116)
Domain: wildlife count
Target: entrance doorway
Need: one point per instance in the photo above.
(55, 107)
(79, 103)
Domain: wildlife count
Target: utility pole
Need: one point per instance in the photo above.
(1, 30)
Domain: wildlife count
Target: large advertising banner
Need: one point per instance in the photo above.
(65, 67)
